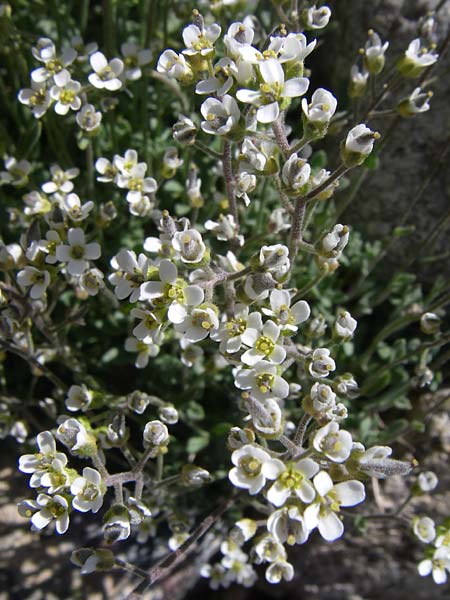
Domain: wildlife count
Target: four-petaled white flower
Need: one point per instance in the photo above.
(252, 466)
(273, 89)
(145, 349)
(37, 280)
(88, 490)
(345, 325)
(322, 108)
(288, 526)
(322, 513)
(133, 59)
(335, 444)
(47, 509)
(221, 115)
(263, 345)
(285, 315)
(66, 95)
(106, 74)
(321, 363)
(77, 253)
(292, 479)
(263, 381)
(424, 529)
(200, 41)
(438, 565)
(190, 246)
(79, 397)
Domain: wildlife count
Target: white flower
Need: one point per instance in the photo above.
(77, 253)
(200, 41)
(329, 498)
(418, 56)
(133, 179)
(279, 570)
(37, 280)
(75, 436)
(174, 66)
(155, 433)
(252, 466)
(334, 444)
(322, 108)
(263, 381)
(285, 315)
(275, 259)
(360, 140)
(424, 529)
(245, 183)
(54, 66)
(88, 491)
(133, 59)
(238, 36)
(224, 229)
(317, 18)
(79, 398)
(427, 481)
(323, 398)
(72, 207)
(88, 118)
(107, 170)
(321, 363)
(358, 81)
(61, 180)
(268, 549)
(189, 245)
(416, 103)
(296, 173)
(66, 96)
(345, 325)
(91, 281)
(16, 173)
(221, 115)
(437, 566)
(37, 204)
(38, 464)
(225, 71)
(292, 479)
(130, 273)
(197, 325)
(263, 345)
(37, 98)
(172, 292)
(430, 323)
(150, 325)
(145, 349)
(374, 52)
(230, 331)
(273, 89)
(106, 74)
(48, 509)
(286, 525)
(335, 241)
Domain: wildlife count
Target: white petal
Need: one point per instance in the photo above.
(300, 311)
(177, 313)
(248, 96)
(350, 493)
(76, 237)
(272, 71)
(193, 295)
(268, 113)
(278, 494)
(330, 527)
(323, 483)
(295, 87)
(272, 468)
(167, 271)
(98, 61)
(93, 251)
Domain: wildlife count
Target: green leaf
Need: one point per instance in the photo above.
(197, 443)
(195, 411)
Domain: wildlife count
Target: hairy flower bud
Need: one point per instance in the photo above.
(184, 131)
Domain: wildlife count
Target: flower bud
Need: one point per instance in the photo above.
(138, 402)
(374, 51)
(430, 323)
(117, 524)
(345, 325)
(168, 414)
(295, 175)
(93, 559)
(417, 102)
(358, 145)
(184, 131)
(240, 437)
(76, 438)
(193, 475)
(155, 434)
(358, 82)
(334, 242)
(426, 482)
